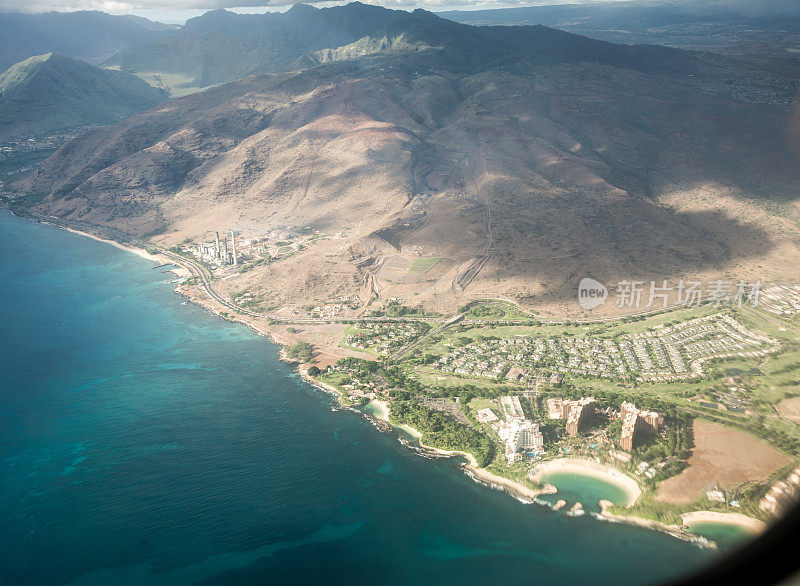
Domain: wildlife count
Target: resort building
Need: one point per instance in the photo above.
(578, 413)
(512, 408)
(555, 408)
(635, 423)
(522, 438)
(486, 416)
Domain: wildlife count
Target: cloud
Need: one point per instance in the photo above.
(117, 6)
(193, 7)
(122, 6)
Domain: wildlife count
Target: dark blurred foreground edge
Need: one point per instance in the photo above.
(769, 559)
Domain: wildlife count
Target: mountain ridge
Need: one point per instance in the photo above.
(50, 92)
(220, 46)
(90, 36)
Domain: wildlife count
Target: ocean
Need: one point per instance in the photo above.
(143, 441)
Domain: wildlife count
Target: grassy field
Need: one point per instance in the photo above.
(422, 265)
(502, 311)
(480, 403)
(334, 379)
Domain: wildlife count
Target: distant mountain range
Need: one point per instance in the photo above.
(50, 93)
(87, 35)
(639, 14)
(768, 32)
(221, 46)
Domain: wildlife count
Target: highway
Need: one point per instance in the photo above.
(205, 279)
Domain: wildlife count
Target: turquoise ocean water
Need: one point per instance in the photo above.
(587, 490)
(147, 442)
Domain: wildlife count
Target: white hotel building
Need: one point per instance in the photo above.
(521, 437)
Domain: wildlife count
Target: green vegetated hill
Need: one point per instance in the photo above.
(49, 93)
(87, 35)
(221, 46)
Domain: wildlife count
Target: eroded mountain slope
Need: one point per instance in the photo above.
(522, 185)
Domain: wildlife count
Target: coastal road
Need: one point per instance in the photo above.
(205, 279)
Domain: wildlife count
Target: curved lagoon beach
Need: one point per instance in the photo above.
(587, 482)
(143, 441)
(725, 535)
(727, 530)
(588, 490)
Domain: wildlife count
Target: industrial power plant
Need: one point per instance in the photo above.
(219, 252)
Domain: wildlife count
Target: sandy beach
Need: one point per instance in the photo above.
(593, 469)
(752, 525)
(157, 258)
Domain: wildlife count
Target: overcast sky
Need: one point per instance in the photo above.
(177, 11)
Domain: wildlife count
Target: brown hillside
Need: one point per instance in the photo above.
(522, 184)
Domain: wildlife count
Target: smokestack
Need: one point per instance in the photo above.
(233, 248)
(219, 252)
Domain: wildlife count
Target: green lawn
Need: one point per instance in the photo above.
(422, 265)
(480, 403)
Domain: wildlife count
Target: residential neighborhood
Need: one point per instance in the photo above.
(384, 338)
(671, 353)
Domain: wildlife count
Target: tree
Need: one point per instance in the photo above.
(313, 371)
(302, 351)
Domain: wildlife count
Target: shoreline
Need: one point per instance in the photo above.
(591, 469)
(750, 524)
(183, 271)
(677, 531)
(140, 252)
(480, 475)
(611, 474)
(383, 414)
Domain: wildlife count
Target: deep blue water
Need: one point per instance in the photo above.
(147, 442)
